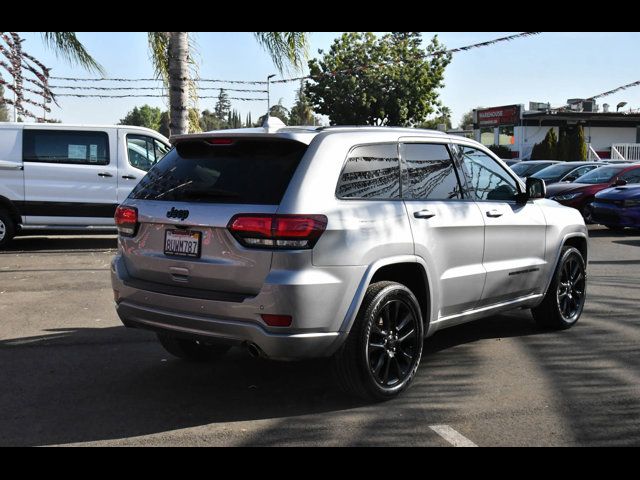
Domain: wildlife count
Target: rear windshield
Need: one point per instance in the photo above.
(599, 175)
(249, 171)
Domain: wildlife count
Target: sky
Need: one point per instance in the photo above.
(549, 67)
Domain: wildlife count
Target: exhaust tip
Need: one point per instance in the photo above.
(255, 351)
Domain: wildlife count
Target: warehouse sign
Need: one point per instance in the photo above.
(495, 116)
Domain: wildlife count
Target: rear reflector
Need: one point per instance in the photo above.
(126, 221)
(277, 231)
(277, 320)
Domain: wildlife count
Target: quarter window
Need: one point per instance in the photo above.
(62, 146)
(430, 171)
(372, 172)
(144, 152)
(486, 179)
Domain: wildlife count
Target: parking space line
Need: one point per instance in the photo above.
(451, 436)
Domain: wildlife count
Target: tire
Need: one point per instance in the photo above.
(587, 213)
(7, 229)
(564, 301)
(381, 355)
(191, 350)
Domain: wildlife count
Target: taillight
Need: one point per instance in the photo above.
(277, 320)
(277, 231)
(126, 221)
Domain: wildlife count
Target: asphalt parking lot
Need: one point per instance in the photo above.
(72, 374)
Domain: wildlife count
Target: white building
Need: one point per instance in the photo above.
(519, 129)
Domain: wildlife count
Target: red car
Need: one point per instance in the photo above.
(580, 194)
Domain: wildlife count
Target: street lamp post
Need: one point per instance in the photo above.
(268, 89)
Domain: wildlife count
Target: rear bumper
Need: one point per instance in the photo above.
(318, 306)
(273, 345)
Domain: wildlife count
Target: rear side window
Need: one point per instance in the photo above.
(144, 152)
(246, 171)
(62, 146)
(371, 172)
(431, 173)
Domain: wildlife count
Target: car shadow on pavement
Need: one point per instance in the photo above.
(87, 384)
(57, 244)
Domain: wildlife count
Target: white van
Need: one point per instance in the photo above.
(57, 176)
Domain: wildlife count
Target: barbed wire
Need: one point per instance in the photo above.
(81, 95)
(306, 77)
(72, 87)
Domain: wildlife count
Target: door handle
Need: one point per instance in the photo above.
(105, 174)
(424, 214)
(128, 177)
(494, 213)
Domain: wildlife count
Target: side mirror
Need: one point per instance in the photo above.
(536, 188)
(619, 182)
(570, 178)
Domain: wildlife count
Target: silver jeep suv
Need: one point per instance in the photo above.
(353, 243)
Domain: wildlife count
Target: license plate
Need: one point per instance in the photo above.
(182, 243)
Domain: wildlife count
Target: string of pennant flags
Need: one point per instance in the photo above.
(24, 68)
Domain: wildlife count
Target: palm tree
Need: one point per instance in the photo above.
(67, 45)
(171, 57)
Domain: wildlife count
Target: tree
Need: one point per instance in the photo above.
(223, 106)
(579, 146)
(171, 56)
(144, 116)
(209, 121)
(301, 112)
(571, 145)
(279, 111)
(67, 45)
(392, 80)
(467, 118)
(164, 124)
(547, 149)
(443, 118)
(4, 111)
(502, 151)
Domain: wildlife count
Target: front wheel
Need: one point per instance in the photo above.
(587, 213)
(381, 355)
(191, 350)
(564, 301)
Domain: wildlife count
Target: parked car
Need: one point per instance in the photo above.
(511, 163)
(527, 168)
(565, 171)
(304, 242)
(70, 176)
(618, 207)
(580, 193)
